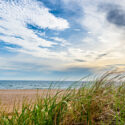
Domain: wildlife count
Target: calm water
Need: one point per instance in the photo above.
(34, 84)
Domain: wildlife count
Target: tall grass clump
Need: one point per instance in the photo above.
(101, 102)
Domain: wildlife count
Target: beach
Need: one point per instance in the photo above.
(102, 102)
(11, 97)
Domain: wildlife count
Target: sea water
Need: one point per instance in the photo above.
(13, 84)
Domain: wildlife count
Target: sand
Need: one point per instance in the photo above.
(10, 97)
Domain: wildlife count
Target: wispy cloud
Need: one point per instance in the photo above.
(15, 15)
(104, 22)
(58, 35)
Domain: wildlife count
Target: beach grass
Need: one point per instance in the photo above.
(101, 102)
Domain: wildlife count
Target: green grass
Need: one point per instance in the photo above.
(102, 103)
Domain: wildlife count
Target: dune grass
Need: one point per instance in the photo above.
(102, 103)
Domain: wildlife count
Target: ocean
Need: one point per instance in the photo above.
(14, 84)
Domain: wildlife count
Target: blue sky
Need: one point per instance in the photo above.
(60, 39)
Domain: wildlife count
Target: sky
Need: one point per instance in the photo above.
(60, 39)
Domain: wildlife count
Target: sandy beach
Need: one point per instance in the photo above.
(10, 97)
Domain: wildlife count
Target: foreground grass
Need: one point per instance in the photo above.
(101, 103)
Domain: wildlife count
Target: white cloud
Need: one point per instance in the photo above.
(31, 11)
(15, 17)
(103, 38)
(103, 45)
(61, 40)
(103, 33)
